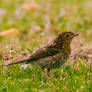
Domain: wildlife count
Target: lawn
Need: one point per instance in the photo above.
(35, 23)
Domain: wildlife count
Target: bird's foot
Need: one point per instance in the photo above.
(47, 73)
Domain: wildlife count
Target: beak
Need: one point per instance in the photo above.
(75, 35)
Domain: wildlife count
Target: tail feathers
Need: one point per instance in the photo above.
(22, 61)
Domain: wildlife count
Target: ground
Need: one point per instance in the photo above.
(37, 23)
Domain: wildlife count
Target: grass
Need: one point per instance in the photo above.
(36, 28)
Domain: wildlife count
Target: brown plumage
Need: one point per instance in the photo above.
(52, 55)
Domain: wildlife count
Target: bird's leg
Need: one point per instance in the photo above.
(46, 71)
(43, 70)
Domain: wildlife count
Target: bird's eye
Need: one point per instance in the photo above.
(67, 36)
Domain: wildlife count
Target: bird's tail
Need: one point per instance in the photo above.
(22, 61)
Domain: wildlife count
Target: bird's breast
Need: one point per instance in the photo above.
(65, 48)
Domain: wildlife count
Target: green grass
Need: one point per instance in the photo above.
(73, 76)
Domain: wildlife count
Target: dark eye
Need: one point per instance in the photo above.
(67, 36)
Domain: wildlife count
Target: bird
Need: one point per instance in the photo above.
(52, 55)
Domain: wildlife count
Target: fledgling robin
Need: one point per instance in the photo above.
(52, 55)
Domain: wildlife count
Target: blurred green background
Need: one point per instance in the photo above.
(29, 24)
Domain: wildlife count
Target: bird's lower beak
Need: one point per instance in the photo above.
(75, 35)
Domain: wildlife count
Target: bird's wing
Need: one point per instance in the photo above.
(51, 61)
(44, 52)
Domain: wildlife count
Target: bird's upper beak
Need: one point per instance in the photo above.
(75, 35)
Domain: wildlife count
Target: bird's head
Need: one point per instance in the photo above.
(65, 37)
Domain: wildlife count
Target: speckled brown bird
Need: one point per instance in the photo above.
(52, 55)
